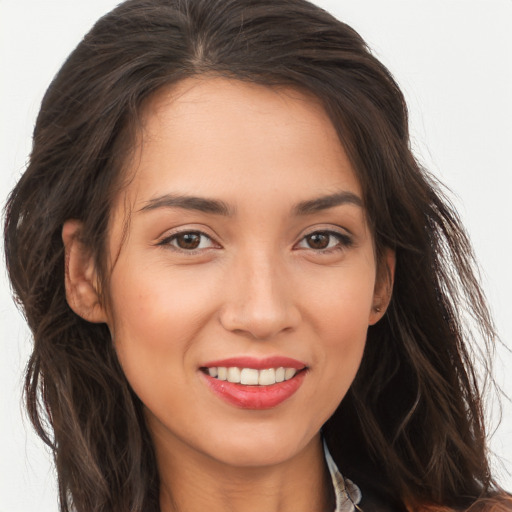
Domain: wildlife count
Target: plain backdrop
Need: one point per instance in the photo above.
(452, 58)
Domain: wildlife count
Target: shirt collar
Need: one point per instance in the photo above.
(346, 492)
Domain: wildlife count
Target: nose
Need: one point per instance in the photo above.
(259, 299)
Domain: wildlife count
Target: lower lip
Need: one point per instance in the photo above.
(255, 397)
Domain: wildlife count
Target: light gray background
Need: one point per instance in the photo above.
(453, 59)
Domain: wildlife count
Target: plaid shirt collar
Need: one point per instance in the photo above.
(347, 492)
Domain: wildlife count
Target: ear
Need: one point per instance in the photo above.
(383, 286)
(81, 283)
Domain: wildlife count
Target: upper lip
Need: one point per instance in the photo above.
(257, 363)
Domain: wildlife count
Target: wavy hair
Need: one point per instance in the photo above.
(411, 426)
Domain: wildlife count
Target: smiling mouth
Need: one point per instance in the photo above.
(252, 376)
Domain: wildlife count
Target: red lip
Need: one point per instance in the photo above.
(257, 364)
(254, 397)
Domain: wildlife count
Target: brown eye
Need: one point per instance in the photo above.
(319, 240)
(325, 241)
(188, 241)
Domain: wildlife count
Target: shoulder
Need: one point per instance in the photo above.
(499, 503)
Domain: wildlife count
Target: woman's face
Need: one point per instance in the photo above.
(247, 256)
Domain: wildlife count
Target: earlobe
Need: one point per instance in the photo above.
(383, 287)
(80, 277)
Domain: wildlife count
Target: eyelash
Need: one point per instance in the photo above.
(168, 241)
(344, 241)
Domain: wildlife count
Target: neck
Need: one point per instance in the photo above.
(194, 483)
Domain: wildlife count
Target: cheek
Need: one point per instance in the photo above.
(342, 301)
(149, 303)
(340, 315)
(155, 317)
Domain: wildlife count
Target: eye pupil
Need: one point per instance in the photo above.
(188, 240)
(318, 240)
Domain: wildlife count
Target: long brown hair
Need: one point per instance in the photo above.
(411, 427)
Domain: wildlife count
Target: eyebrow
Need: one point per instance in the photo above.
(325, 202)
(201, 204)
(214, 206)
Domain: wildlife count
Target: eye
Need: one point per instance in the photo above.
(188, 241)
(325, 241)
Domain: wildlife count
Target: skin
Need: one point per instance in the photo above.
(258, 284)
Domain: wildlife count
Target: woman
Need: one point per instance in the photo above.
(221, 224)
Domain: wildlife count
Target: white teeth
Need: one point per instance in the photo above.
(234, 374)
(267, 377)
(251, 376)
(289, 373)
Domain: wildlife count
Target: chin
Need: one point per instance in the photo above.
(260, 448)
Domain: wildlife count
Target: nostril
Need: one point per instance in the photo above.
(259, 324)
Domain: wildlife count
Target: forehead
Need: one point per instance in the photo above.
(233, 139)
